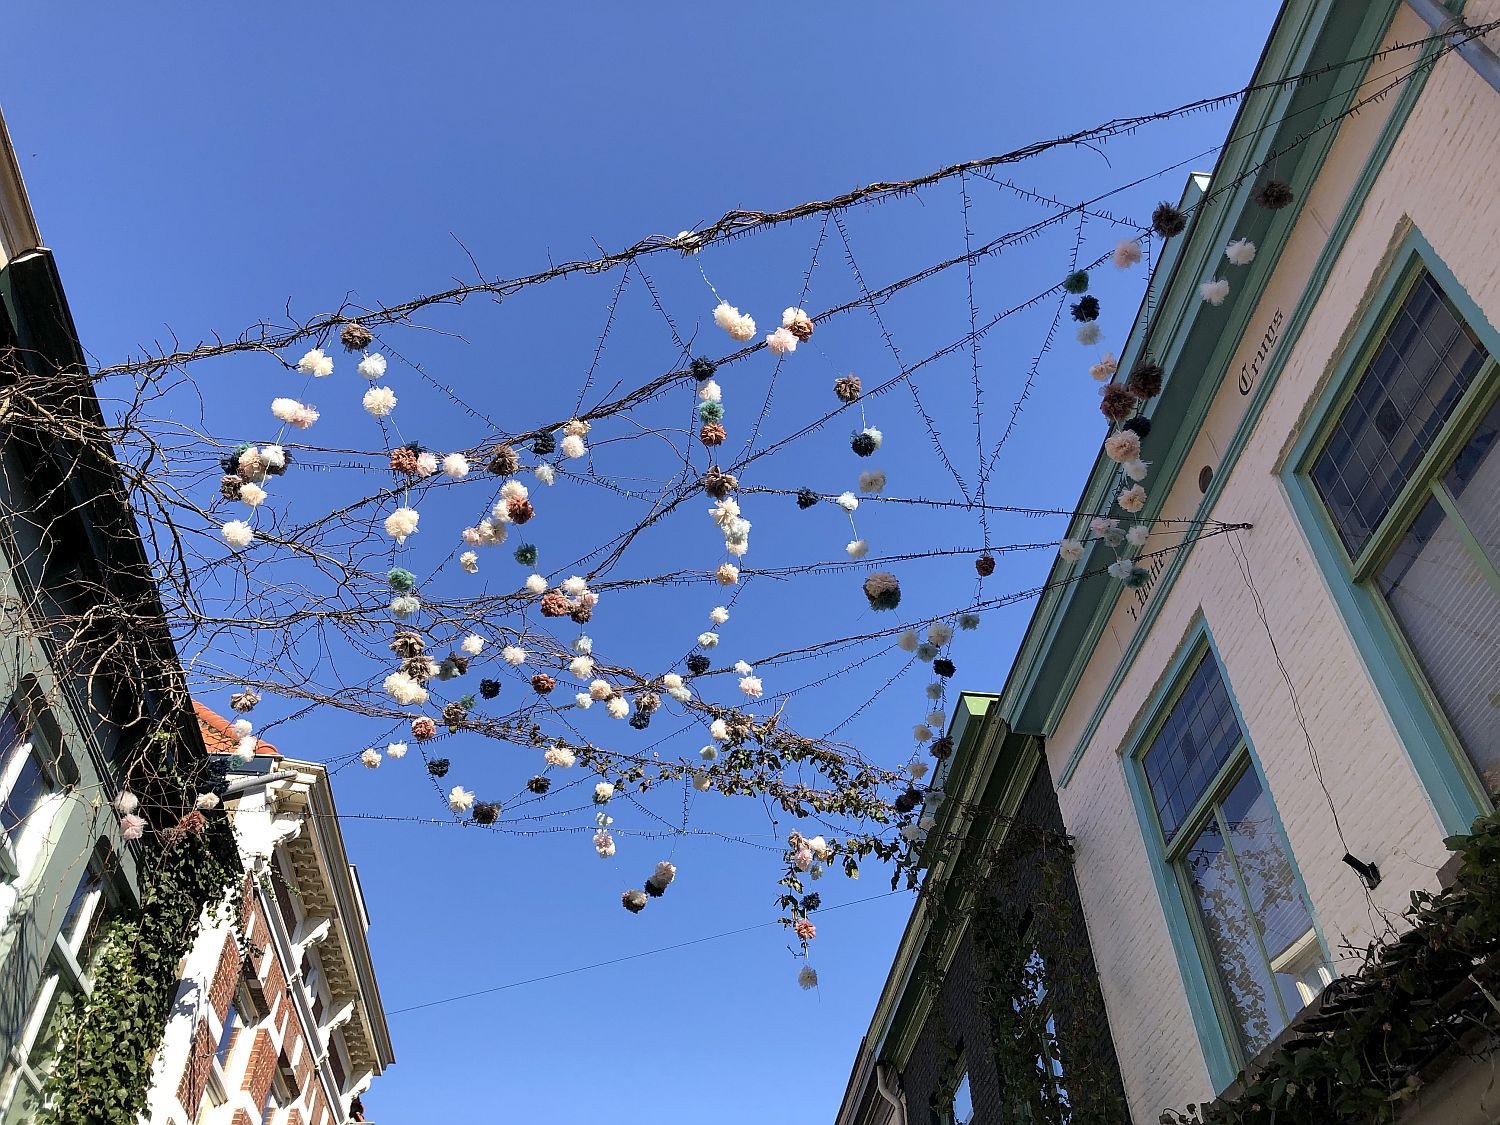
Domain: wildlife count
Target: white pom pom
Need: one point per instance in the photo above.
(1137, 535)
(858, 549)
(617, 707)
(473, 643)
(1214, 291)
(469, 561)
(316, 364)
(872, 481)
(908, 641)
(751, 686)
(456, 465)
(513, 655)
(1070, 550)
(572, 446)
(372, 366)
(708, 640)
(546, 474)
(379, 401)
(238, 534)
(1240, 252)
(460, 799)
(536, 584)
(1089, 334)
(718, 615)
(940, 633)
(847, 500)
(401, 523)
(711, 392)
(370, 758)
(253, 494)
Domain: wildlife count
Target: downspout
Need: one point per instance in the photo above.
(896, 1097)
(1475, 52)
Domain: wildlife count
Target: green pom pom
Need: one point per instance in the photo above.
(711, 411)
(400, 579)
(1077, 282)
(1137, 577)
(526, 554)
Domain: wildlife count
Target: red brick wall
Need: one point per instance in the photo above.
(261, 1068)
(195, 1072)
(226, 976)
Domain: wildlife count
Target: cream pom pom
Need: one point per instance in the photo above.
(600, 690)
(702, 782)
(581, 666)
(396, 750)
(940, 633)
(751, 686)
(908, 641)
(456, 465)
(718, 615)
(273, 457)
(561, 757)
(617, 707)
(513, 655)
(711, 392)
(460, 799)
(491, 534)
(572, 446)
(858, 549)
(473, 644)
(536, 584)
(718, 730)
(847, 500)
(513, 490)
(469, 561)
(238, 534)
(921, 732)
(1136, 470)
(1137, 535)
(937, 718)
(781, 341)
(708, 640)
(126, 803)
(584, 700)
(253, 494)
(743, 667)
(405, 690)
(379, 401)
(1123, 446)
(372, 366)
(1105, 369)
(240, 727)
(1240, 252)
(1127, 253)
(574, 586)
(370, 758)
(293, 413)
(740, 327)
(872, 481)
(1089, 334)
(401, 523)
(727, 574)
(546, 474)
(406, 606)
(1214, 291)
(1132, 499)
(1070, 550)
(316, 364)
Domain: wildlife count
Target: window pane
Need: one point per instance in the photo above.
(1232, 939)
(1450, 614)
(27, 788)
(80, 910)
(963, 1102)
(1270, 886)
(1474, 484)
(226, 1035)
(1197, 738)
(1420, 370)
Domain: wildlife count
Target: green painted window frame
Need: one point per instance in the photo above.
(1442, 765)
(1213, 1019)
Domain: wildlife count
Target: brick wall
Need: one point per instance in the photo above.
(1440, 175)
(195, 1072)
(226, 977)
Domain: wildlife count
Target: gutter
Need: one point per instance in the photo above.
(896, 1097)
(1473, 50)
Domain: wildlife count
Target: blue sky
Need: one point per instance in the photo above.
(199, 169)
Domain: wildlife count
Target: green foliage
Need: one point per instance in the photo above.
(1414, 999)
(105, 1049)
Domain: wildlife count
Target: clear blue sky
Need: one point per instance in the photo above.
(198, 168)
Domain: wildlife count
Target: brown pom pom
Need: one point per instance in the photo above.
(1117, 403)
(229, 486)
(504, 462)
(555, 604)
(423, 728)
(460, 663)
(542, 683)
(244, 701)
(985, 564)
(719, 484)
(1167, 220)
(486, 812)
(419, 668)
(633, 901)
(940, 748)
(581, 613)
(647, 702)
(455, 714)
(1273, 195)
(883, 590)
(252, 466)
(802, 329)
(1144, 381)
(407, 643)
(355, 337)
(404, 460)
(712, 434)
(519, 508)
(846, 387)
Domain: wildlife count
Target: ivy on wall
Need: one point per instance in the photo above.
(107, 1043)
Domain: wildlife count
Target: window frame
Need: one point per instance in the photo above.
(1448, 776)
(1213, 1017)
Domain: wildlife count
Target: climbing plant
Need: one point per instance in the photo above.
(102, 1071)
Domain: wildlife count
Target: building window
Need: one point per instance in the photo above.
(227, 1034)
(1409, 476)
(1222, 845)
(1037, 1001)
(961, 1104)
(24, 782)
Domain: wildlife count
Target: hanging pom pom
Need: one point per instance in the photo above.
(293, 413)
(908, 641)
(526, 554)
(423, 728)
(544, 443)
(560, 756)
(456, 465)
(252, 494)
(847, 501)
(1120, 569)
(379, 401)
(711, 411)
(427, 464)
(940, 633)
(401, 523)
(542, 684)
(872, 481)
(372, 366)
(316, 364)
(230, 485)
(727, 574)
(806, 498)
(1132, 499)
(863, 444)
(238, 534)
(489, 689)
(1145, 380)
(1105, 369)
(1240, 252)
(546, 474)
(944, 667)
(404, 460)
(1122, 446)
(1070, 550)
(370, 758)
(712, 434)
(555, 604)
(1117, 403)
(798, 323)
(1076, 282)
(539, 784)
(355, 336)
(1089, 334)
(504, 461)
(1136, 470)
(846, 388)
(640, 720)
(400, 578)
(1140, 427)
(1127, 253)
(883, 590)
(719, 484)
(244, 701)
(711, 392)
(985, 565)
(1214, 291)
(697, 664)
(858, 549)
(519, 509)
(486, 812)
(1273, 195)
(740, 327)
(781, 342)
(1086, 309)
(438, 767)
(460, 799)
(702, 368)
(968, 621)
(1138, 535)
(1167, 220)
(633, 900)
